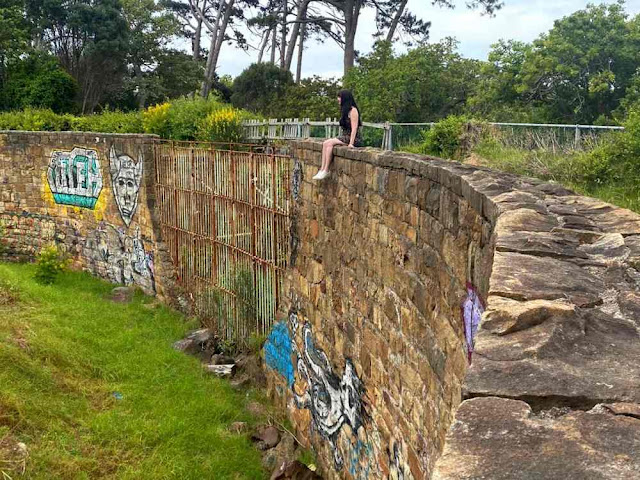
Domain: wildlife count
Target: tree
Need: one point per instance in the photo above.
(90, 38)
(37, 80)
(224, 15)
(425, 84)
(581, 69)
(314, 98)
(261, 87)
(391, 15)
(151, 27)
(499, 96)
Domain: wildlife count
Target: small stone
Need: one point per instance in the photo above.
(221, 370)
(219, 359)
(201, 342)
(266, 437)
(294, 470)
(122, 294)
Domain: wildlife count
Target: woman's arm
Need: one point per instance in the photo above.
(355, 121)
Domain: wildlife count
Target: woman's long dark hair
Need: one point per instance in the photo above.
(346, 103)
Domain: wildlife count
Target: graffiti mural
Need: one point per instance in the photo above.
(277, 352)
(126, 178)
(75, 177)
(296, 179)
(472, 310)
(333, 401)
(123, 255)
(396, 462)
(359, 462)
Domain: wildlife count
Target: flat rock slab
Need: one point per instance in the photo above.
(122, 294)
(550, 352)
(526, 277)
(499, 439)
(266, 437)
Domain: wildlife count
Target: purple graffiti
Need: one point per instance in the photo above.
(472, 310)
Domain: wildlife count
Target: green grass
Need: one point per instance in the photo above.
(65, 350)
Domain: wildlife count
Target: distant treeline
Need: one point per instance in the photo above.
(85, 56)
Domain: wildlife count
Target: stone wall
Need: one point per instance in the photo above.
(396, 258)
(91, 194)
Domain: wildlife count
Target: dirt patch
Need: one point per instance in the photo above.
(9, 294)
(474, 159)
(13, 456)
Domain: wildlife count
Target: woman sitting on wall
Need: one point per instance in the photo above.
(350, 123)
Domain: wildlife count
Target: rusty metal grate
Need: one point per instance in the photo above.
(224, 211)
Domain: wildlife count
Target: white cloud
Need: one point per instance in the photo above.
(519, 19)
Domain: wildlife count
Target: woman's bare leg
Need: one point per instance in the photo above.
(327, 152)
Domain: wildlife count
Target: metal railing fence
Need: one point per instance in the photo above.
(224, 216)
(390, 136)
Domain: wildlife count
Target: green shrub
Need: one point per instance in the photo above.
(186, 114)
(112, 121)
(32, 119)
(224, 125)
(452, 137)
(155, 120)
(182, 119)
(50, 262)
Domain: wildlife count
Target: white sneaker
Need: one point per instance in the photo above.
(322, 175)
(317, 175)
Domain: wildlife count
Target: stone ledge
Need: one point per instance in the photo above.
(561, 328)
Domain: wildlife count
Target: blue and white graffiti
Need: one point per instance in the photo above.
(332, 400)
(472, 310)
(277, 352)
(359, 462)
(75, 177)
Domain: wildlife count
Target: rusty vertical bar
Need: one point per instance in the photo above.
(214, 219)
(274, 261)
(175, 205)
(252, 213)
(193, 224)
(233, 241)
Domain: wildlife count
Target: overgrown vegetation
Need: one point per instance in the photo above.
(94, 389)
(608, 169)
(181, 119)
(50, 263)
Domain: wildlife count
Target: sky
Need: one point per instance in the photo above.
(522, 20)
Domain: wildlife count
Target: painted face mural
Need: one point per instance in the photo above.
(123, 256)
(126, 177)
(332, 400)
(472, 310)
(75, 177)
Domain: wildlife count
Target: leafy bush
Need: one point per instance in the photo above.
(112, 121)
(186, 114)
(450, 138)
(34, 120)
(155, 120)
(182, 118)
(223, 125)
(50, 262)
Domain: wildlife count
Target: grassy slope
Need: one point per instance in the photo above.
(561, 168)
(64, 351)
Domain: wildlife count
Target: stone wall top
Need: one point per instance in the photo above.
(560, 335)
